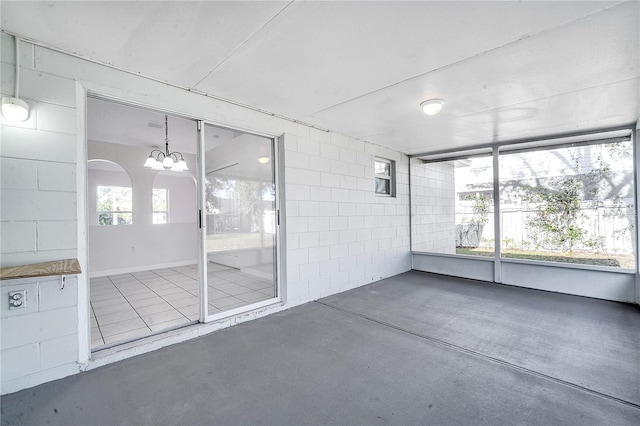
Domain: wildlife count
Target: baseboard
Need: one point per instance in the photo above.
(98, 274)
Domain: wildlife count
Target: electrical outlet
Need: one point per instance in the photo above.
(17, 299)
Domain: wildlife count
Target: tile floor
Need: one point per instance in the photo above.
(129, 306)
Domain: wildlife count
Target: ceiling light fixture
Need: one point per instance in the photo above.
(264, 159)
(13, 108)
(432, 106)
(166, 160)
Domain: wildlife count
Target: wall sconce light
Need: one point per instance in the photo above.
(432, 106)
(13, 108)
(264, 159)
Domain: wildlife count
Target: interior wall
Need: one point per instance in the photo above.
(182, 197)
(339, 234)
(141, 245)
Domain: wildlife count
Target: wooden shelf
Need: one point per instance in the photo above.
(58, 267)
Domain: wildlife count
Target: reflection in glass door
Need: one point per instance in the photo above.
(239, 219)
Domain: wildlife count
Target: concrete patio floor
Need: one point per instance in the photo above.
(412, 349)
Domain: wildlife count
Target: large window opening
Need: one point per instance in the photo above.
(452, 206)
(565, 202)
(571, 204)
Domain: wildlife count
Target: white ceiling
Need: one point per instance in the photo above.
(506, 70)
(129, 125)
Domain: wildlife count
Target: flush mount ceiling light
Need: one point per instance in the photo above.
(264, 159)
(432, 106)
(166, 160)
(13, 108)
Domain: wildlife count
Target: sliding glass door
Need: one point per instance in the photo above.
(169, 247)
(238, 221)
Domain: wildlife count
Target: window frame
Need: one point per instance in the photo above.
(589, 203)
(597, 137)
(391, 178)
(166, 212)
(112, 212)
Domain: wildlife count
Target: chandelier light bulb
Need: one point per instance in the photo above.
(167, 162)
(157, 166)
(183, 165)
(177, 166)
(150, 161)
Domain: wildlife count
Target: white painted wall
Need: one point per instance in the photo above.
(433, 216)
(339, 234)
(40, 341)
(182, 197)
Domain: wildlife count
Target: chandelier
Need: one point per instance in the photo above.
(166, 160)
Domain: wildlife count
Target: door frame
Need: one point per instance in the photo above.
(86, 357)
(277, 143)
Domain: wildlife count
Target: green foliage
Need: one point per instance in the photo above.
(105, 198)
(555, 223)
(249, 193)
(244, 203)
(509, 243)
(560, 203)
(214, 187)
(481, 206)
(105, 219)
(114, 205)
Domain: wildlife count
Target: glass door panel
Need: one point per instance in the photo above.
(140, 284)
(239, 218)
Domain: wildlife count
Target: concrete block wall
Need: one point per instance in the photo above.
(340, 234)
(433, 207)
(38, 223)
(39, 341)
(38, 167)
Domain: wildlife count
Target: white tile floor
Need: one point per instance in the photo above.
(129, 306)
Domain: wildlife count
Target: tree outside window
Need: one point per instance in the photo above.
(114, 205)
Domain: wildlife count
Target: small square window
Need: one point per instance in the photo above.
(114, 205)
(385, 179)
